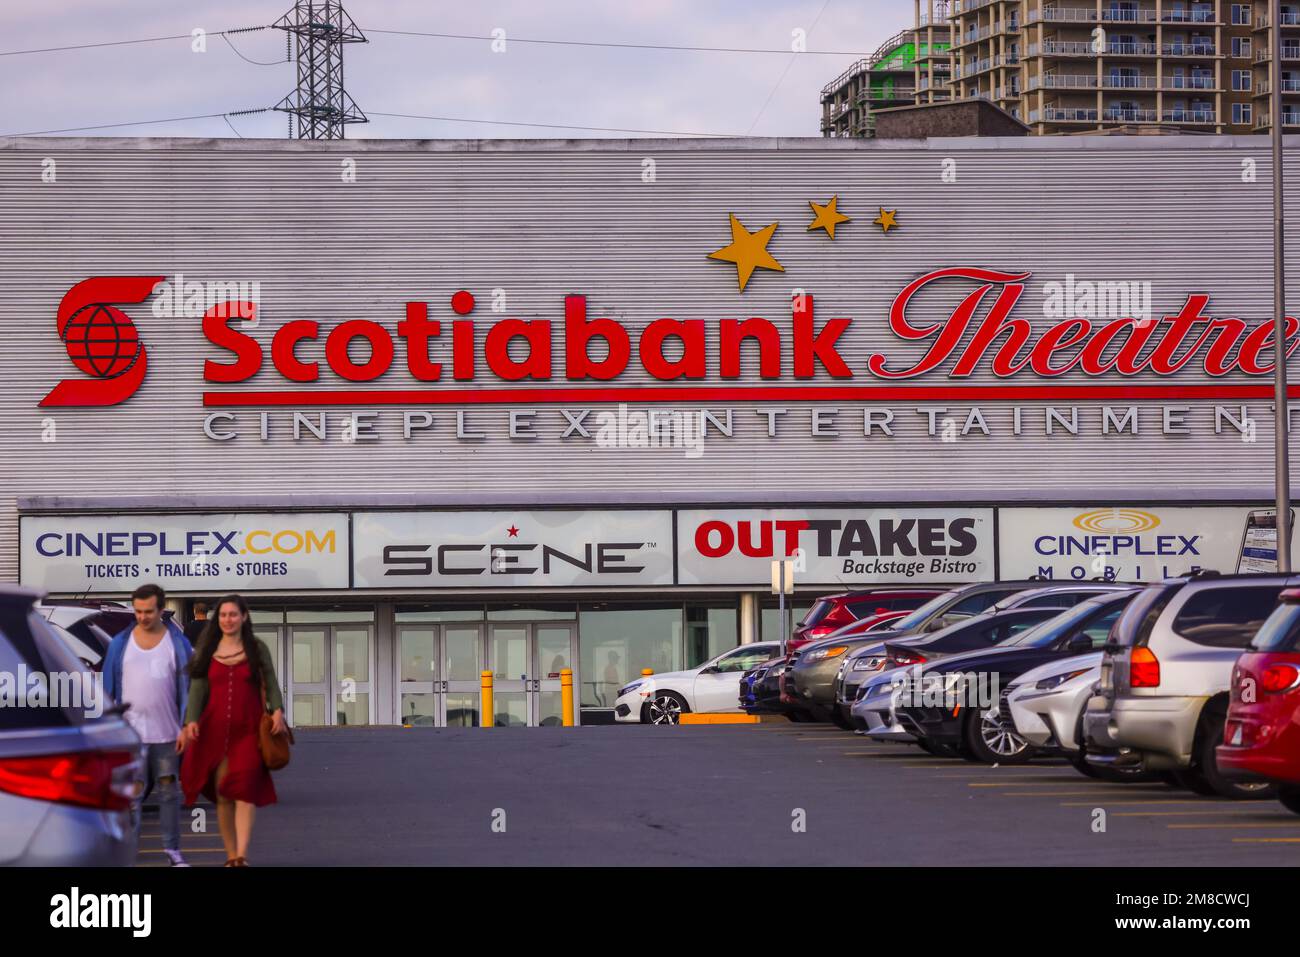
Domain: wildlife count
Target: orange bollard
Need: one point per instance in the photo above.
(566, 697)
(485, 691)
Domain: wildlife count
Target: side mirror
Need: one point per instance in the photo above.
(711, 670)
(1080, 642)
(937, 624)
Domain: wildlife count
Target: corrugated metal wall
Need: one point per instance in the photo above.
(542, 220)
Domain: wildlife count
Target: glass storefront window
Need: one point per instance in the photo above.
(351, 654)
(710, 630)
(412, 615)
(313, 616)
(261, 616)
(617, 641)
(796, 607)
(417, 654)
(354, 711)
(417, 709)
(566, 611)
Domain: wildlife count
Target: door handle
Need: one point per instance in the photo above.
(443, 689)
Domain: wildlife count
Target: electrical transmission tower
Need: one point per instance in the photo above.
(320, 103)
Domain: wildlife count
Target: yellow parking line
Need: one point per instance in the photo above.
(1179, 813)
(1025, 783)
(1208, 827)
(1201, 801)
(1266, 840)
(194, 850)
(1040, 794)
(947, 765)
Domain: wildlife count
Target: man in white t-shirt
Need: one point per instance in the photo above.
(146, 668)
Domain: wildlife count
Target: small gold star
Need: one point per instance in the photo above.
(886, 219)
(827, 216)
(748, 251)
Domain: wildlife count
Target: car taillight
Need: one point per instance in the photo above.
(906, 659)
(817, 631)
(108, 780)
(1277, 678)
(1143, 668)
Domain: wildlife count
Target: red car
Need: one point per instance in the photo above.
(833, 612)
(1262, 735)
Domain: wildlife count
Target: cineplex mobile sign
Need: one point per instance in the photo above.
(981, 348)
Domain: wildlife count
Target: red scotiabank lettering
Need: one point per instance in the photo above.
(980, 332)
(361, 350)
(1117, 346)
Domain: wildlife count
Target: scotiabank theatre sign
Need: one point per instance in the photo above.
(453, 359)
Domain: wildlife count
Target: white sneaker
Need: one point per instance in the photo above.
(175, 858)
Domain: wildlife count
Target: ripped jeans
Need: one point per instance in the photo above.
(162, 761)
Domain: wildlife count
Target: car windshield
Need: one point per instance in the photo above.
(1040, 636)
(922, 613)
(1280, 631)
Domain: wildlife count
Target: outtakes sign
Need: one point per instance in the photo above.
(835, 546)
(92, 554)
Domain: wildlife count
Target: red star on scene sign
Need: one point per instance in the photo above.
(512, 532)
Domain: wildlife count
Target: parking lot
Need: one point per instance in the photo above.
(717, 795)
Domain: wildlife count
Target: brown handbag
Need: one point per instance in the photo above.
(274, 747)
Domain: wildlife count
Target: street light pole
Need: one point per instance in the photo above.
(1281, 445)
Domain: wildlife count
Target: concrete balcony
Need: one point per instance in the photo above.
(1062, 81)
(1114, 114)
(1190, 116)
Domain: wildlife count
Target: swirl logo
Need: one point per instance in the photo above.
(101, 341)
(1116, 521)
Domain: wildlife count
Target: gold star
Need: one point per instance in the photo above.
(748, 251)
(827, 216)
(886, 219)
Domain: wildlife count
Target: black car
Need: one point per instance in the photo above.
(959, 701)
(973, 634)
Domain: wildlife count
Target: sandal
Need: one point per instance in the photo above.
(236, 862)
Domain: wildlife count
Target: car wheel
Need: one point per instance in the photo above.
(1204, 776)
(664, 707)
(1289, 795)
(1079, 758)
(992, 741)
(838, 716)
(938, 750)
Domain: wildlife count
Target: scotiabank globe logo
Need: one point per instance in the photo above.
(1116, 521)
(101, 341)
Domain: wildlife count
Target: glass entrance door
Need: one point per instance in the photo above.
(556, 650)
(513, 675)
(526, 660)
(329, 674)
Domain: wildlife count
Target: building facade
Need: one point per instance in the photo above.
(1071, 66)
(436, 407)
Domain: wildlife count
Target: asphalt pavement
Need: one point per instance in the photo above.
(772, 794)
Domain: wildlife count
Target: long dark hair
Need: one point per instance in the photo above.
(211, 637)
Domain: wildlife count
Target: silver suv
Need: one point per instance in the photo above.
(1162, 698)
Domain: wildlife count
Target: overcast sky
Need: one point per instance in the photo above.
(666, 90)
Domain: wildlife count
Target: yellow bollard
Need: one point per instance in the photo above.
(566, 697)
(485, 691)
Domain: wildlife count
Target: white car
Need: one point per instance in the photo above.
(713, 686)
(1046, 701)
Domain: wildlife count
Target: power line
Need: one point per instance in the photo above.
(621, 46)
(119, 43)
(549, 126)
(255, 62)
(789, 63)
(172, 119)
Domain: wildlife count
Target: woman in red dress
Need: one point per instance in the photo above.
(222, 758)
